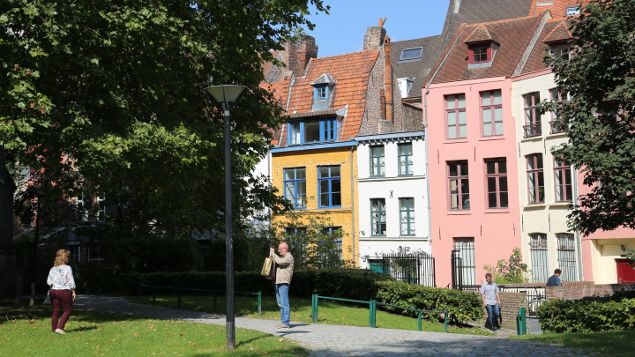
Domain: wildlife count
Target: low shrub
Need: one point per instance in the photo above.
(588, 315)
(461, 305)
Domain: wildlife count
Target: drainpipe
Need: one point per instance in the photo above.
(353, 228)
(578, 238)
(388, 85)
(426, 91)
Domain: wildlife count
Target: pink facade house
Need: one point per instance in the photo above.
(472, 147)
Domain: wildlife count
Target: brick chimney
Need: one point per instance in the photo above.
(374, 37)
(297, 54)
(388, 83)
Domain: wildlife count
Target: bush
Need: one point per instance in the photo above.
(462, 306)
(589, 314)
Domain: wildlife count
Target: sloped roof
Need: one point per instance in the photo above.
(418, 69)
(514, 35)
(280, 91)
(351, 71)
(459, 12)
(557, 8)
(475, 11)
(481, 33)
(559, 33)
(536, 62)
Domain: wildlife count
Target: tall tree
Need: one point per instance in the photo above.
(600, 77)
(114, 91)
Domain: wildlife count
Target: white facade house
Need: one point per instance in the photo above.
(548, 186)
(393, 198)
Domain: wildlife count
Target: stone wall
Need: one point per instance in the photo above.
(579, 289)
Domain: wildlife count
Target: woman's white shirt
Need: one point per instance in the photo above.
(61, 278)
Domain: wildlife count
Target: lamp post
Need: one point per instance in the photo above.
(227, 95)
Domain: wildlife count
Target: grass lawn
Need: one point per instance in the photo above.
(27, 332)
(614, 343)
(329, 312)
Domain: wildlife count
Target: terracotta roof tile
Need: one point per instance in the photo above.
(280, 91)
(557, 8)
(559, 33)
(554, 28)
(513, 36)
(480, 34)
(351, 71)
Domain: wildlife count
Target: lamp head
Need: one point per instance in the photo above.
(226, 94)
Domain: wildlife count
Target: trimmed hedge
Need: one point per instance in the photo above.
(461, 305)
(587, 315)
(345, 283)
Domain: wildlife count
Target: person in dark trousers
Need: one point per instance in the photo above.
(284, 273)
(554, 280)
(491, 301)
(62, 284)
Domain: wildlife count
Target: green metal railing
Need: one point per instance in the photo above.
(372, 310)
(180, 292)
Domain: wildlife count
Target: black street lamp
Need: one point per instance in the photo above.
(227, 95)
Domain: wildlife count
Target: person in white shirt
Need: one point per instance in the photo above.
(62, 285)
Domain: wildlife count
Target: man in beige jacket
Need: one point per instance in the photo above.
(284, 273)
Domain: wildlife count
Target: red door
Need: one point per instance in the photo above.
(625, 271)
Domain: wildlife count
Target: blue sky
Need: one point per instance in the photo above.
(343, 29)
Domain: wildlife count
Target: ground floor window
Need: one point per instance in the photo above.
(567, 256)
(539, 262)
(466, 262)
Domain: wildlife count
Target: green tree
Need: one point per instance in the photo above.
(600, 77)
(114, 91)
(510, 271)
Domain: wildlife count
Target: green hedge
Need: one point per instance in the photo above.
(345, 283)
(587, 315)
(462, 305)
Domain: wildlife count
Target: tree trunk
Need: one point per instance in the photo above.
(7, 253)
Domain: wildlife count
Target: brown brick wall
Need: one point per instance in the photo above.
(510, 303)
(580, 289)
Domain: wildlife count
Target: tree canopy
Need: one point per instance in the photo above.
(114, 91)
(600, 78)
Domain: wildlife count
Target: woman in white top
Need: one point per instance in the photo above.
(62, 285)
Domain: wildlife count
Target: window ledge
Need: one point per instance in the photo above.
(493, 137)
(557, 135)
(455, 141)
(531, 139)
(459, 213)
(496, 211)
(563, 204)
(535, 206)
(393, 239)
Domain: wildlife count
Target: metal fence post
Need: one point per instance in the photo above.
(178, 301)
(214, 303)
(521, 322)
(259, 295)
(373, 313)
(314, 307)
(446, 317)
(419, 320)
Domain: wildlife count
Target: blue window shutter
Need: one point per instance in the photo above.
(289, 133)
(323, 133)
(301, 133)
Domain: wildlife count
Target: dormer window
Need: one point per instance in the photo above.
(312, 131)
(322, 92)
(480, 55)
(561, 50)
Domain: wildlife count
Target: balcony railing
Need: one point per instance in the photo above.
(557, 127)
(532, 130)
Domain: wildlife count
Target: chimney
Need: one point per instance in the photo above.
(297, 54)
(388, 84)
(374, 37)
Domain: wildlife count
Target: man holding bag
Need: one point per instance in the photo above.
(284, 272)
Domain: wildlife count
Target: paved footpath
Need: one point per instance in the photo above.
(339, 341)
